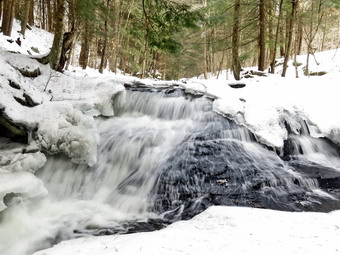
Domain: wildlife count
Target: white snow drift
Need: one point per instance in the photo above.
(222, 230)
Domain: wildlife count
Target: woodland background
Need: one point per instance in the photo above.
(179, 38)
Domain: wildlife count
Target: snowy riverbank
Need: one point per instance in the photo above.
(222, 230)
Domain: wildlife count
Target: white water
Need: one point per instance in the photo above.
(135, 146)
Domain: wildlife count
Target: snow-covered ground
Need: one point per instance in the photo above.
(63, 122)
(222, 230)
(265, 103)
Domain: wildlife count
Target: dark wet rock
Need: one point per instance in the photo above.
(15, 131)
(130, 227)
(14, 84)
(237, 85)
(30, 73)
(327, 177)
(29, 101)
(320, 73)
(207, 170)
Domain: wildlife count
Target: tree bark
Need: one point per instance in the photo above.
(8, 16)
(25, 17)
(262, 42)
(1, 6)
(272, 64)
(236, 66)
(290, 36)
(49, 17)
(85, 47)
(31, 14)
(103, 60)
(57, 46)
(68, 40)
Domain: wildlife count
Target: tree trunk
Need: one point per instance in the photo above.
(1, 6)
(262, 41)
(8, 16)
(57, 46)
(103, 60)
(49, 17)
(290, 36)
(272, 64)
(85, 47)
(26, 16)
(271, 35)
(236, 66)
(43, 23)
(31, 14)
(117, 35)
(68, 40)
(6, 10)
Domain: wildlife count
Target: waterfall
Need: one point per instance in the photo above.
(164, 156)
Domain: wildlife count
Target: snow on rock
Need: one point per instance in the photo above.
(55, 126)
(23, 183)
(93, 96)
(60, 120)
(221, 230)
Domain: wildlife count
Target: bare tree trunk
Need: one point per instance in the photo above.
(272, 64)
(31, 14)
(117, 35)
(144, 60)
(8, 17)
(26, 16)
(205, 46)
(236, 66)
(49, 16)
(103, 60)
(270, 30)
(290, 36)
(43, 24)
(299, 36)
(262, 41)
(1, 7)
(85, 47)
(313, 31)
(58, 35)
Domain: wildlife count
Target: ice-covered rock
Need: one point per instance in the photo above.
(61, 119)
(19, 184)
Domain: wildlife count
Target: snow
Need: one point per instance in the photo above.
(222, 230)
(265, 103)
(36, 38)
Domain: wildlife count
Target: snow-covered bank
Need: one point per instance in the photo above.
(264, 104)
(61, 119)
(36, 41)
(222, 230)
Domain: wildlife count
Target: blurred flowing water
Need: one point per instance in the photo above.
(167, 156)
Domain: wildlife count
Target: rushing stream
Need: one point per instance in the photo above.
(167, 156)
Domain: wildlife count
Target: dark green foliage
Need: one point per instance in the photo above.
(165, 18)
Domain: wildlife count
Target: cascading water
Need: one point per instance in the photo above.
(162, 157)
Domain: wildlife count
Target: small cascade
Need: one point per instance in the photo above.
(165, 156)
(313, 151)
